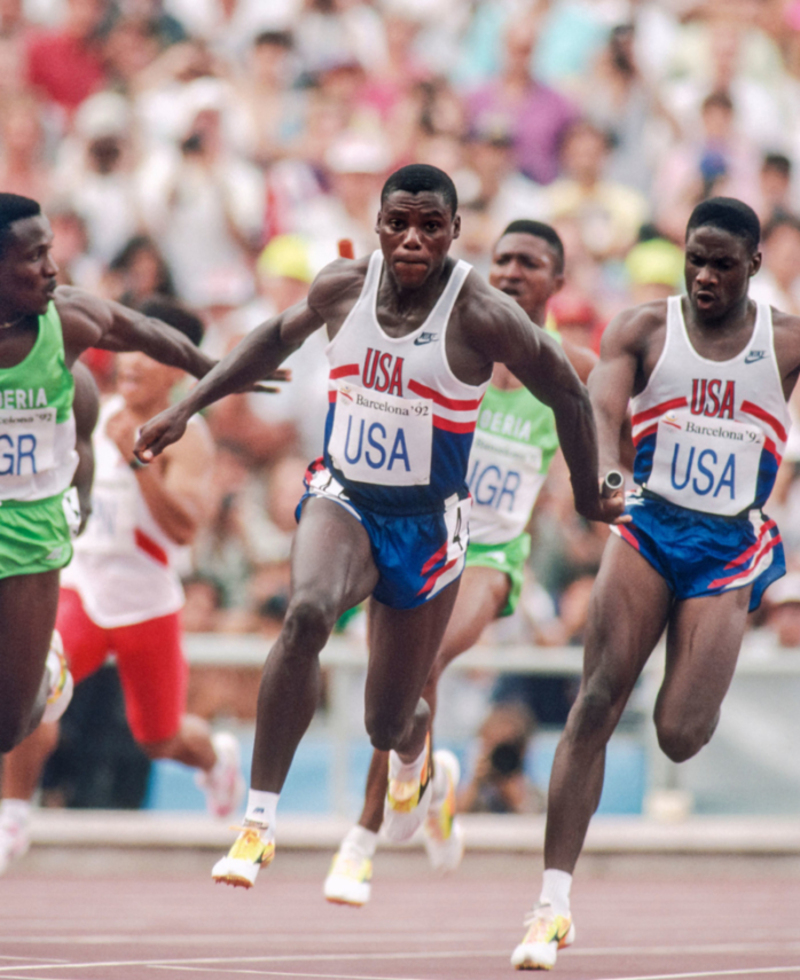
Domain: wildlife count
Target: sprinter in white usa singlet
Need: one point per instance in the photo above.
(410, 384)
(709, 373)
(515, 441)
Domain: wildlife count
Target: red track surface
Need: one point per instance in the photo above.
(152, 917)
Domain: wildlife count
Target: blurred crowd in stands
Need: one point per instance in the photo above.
(216, 150)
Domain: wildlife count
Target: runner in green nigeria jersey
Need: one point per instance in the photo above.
(37, 454)
(43, 330)
(514, 444)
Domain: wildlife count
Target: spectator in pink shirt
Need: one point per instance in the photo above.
(536, 115)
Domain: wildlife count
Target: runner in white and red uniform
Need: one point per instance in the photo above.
(122, 594)
(515, 442)
(413, 337)
(710, 374)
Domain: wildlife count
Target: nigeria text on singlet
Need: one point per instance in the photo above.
(710, 435)
(400, 424)
(37, 427)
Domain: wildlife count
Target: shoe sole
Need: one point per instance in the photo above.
(538, 955)
(338, 895)
(239, 874)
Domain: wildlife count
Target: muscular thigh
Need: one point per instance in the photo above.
(628, 611)
(332, 556)
(703, 641)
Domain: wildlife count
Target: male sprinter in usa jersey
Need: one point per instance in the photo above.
(515, 442)
(413, 337)
(709, 374)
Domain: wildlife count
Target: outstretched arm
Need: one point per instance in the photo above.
(256, 356)
(89, 321)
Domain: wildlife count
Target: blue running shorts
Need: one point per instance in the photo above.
(699, 554)
(416, 556)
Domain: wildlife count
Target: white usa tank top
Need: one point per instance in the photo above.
(124, 564)
(710, 435)
(400, 423)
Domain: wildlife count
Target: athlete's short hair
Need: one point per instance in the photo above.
(538, 229)
(176, 315)
(15, 207)
(419, 177)
(727, 214)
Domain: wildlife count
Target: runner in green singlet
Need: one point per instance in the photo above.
(515, 441)
(43, 330)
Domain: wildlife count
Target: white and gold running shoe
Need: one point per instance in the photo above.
(407, 801)
(546, 934)
(443, 834)
(251, 851)
(349, 880)
(59, 680)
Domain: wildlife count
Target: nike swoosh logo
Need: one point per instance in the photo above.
(425, 338)
(755, 355)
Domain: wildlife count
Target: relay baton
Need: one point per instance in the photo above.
(346, 249)
(612, 481)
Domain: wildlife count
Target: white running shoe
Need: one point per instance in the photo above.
(60, 684)
(546, 934)
(253, 849)
(224, 784)
(443, 834)
(14, 841)
(407, 801)
(348, 881)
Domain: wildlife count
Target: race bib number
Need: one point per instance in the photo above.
(710, 465)
(27, 441)
(382, 439)
(110, 529)
(504, 475)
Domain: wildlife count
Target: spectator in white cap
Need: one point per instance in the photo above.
(96, 173)
(205, 205)
(357, 166)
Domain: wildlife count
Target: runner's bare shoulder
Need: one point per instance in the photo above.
(786, 329)
(337, 287)
(634, 328)
(83, 317)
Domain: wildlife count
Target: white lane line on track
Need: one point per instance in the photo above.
(284, 973)
(707, 949)
(34, 959)
(232, 938)
(184, 962)
(749, 972)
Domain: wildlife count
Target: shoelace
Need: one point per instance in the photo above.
(250, 831)
(532, 916)
(350, 866)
